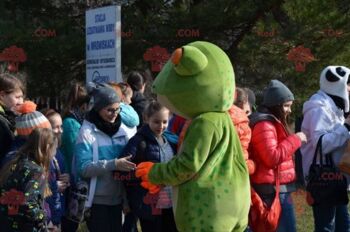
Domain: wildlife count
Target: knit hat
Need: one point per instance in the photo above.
(334, 81)
(276, 93)
(102, 95)
(30, 119)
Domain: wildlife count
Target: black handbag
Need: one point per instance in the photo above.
(326, 185)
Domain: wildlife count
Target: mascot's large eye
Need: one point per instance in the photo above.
(176, 56)
(331, 77)
(188, 61)
(340, 71)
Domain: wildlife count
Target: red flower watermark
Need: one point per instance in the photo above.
(158, 56)
(13, 199)
(152, 199)
(300, 56)
(13, 55)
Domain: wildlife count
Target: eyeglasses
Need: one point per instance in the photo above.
(114, 111)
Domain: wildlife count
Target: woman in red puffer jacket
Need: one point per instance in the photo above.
(272, 145)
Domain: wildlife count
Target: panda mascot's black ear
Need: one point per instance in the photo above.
(341, 72)
(331, 77)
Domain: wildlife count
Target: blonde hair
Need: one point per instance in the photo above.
(39, 143)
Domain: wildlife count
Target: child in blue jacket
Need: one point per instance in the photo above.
(59, 179)
(151, 143)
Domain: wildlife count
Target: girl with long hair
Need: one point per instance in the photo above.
(272, 148)
(25, 177)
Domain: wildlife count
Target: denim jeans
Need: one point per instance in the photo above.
(287, 221)
(331, 219)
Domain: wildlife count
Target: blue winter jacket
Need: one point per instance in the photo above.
(150, 151)
(57, 200)
(107, 191)
(71, 127)
(128, 115)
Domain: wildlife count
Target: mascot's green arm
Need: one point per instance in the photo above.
(198, 144)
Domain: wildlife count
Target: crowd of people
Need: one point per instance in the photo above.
(106, 130)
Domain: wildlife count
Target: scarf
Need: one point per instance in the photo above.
(77, 114)
(107, 127)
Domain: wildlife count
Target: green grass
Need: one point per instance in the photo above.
(303, 213)
(83, 228)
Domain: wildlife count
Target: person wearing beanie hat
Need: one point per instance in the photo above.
(101, 140)
(324, 115)
(30, 119)
(102, 95)
(272, 148)
(276, 93)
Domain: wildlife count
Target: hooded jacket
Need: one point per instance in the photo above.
(322, 116)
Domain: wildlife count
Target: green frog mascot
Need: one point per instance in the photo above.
(211, 190)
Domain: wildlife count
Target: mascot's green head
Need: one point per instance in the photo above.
(198, 78)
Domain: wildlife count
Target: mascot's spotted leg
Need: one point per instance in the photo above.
(209, 175)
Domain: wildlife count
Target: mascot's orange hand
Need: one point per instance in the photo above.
(142, 171)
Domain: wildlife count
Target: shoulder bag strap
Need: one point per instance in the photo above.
(318, 148)
(277, 177)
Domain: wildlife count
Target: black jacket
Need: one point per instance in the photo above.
(7, 129)
(143, 147)
(139, 103)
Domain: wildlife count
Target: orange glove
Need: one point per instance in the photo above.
(142, 171)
